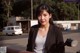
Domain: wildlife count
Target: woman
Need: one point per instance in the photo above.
(45, 37)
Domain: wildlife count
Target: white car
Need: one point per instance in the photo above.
(12, 30)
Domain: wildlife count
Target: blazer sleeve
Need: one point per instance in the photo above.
(59, 42)
(29, 45)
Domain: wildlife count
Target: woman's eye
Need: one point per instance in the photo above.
(39, 16)
(45, 15)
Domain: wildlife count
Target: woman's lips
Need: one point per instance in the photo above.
(42, 21)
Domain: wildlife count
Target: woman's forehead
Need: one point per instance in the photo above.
(44, 12)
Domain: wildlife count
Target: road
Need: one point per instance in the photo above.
(10, 37)
(74, 36)
(20, 42)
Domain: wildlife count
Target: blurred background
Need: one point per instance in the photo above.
(66, 15)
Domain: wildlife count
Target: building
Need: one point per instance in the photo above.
(23, 23)
(66, 25)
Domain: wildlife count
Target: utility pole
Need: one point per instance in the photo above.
(78, 12)
(31, 9)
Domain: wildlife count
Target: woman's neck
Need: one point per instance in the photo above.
(45, 26)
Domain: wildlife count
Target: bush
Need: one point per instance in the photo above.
(1, 33)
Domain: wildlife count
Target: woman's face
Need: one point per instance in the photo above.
(44, 17)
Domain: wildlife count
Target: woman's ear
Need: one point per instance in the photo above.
(50, 15)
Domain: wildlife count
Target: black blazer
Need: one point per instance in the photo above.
(54, 42)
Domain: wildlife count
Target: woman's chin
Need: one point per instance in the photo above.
(43, 24)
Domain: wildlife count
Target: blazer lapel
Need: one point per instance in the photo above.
(50, 38)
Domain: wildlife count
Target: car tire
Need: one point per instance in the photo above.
(13, 34)
(20, 34)
(7, 34)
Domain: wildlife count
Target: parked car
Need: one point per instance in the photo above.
(12, 30)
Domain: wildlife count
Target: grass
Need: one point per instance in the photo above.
(1, 33)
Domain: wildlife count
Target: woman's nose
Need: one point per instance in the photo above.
(42, 17)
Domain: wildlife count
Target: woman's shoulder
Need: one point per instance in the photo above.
(55, 27)
(57, 30)
(35, 26)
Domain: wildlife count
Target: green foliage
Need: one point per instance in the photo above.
(1, 34)
(70, 9)
(22, 8)
(61, 9)
(3, 21)
(7, 6)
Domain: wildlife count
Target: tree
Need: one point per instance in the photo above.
(61, 9)
(22, 8)
(70, 10)
(3, 21)
(7, 6)
(5, 15)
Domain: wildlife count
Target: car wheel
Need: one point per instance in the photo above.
(13, 34)
(7, 34)
(20, 34)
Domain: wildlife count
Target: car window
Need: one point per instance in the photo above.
(8, 28)
(17, 27)
(4, 28)
(12, 28)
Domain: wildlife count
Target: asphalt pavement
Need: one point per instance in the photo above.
(19, 42)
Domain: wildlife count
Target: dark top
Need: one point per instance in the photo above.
(54, 41)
